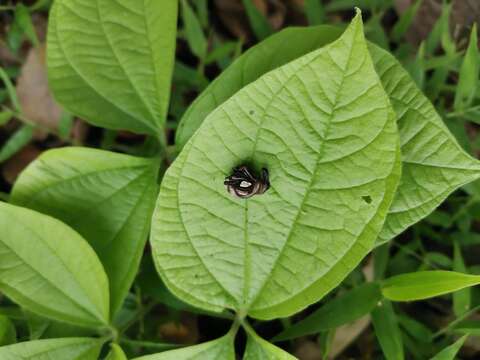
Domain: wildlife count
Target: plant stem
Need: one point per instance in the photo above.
(455, 322)
(141, 313)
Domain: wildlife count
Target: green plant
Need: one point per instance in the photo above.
(356, 154)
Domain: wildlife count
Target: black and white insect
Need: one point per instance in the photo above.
(244, 184)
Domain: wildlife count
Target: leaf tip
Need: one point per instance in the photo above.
(358, 13)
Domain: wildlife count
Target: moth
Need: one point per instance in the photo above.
(244, 184)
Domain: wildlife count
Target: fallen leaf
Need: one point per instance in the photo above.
(33, 92)
(308, 350)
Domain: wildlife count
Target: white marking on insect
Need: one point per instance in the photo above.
(245, 184)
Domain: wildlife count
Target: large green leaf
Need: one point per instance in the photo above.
(220, 349)
(111, 62)
(324, 128)
(426, 284)
(260, 349)
(108, 198)
(71, 349)
(434, 164)
(48, 268)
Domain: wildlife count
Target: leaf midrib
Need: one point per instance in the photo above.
(121, 65)
(319, 156)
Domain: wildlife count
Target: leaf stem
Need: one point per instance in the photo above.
(144, 310)
(455, 322)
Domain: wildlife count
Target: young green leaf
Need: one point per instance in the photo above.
(120, 77)
(71, 349)
(194, 32)
(260, 349)
(48, 268)
(344, 309)
(108, 198)
(220, 349)
(468, 79)
(16, 142)
(461, 298)
(387, 331)
(274, 254)
(8, 334)
(426, 284)
(450, 352)
(259, 23)
(116, 353)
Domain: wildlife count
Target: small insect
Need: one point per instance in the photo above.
(243, 184)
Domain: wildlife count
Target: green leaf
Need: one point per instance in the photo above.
(50, 269)
(259, 23)
(344, 309)
(222, 51)
(468, 78)
(40, 327)
(8, 334)
(387, 331)
(462, 298)
(116, 353)
(260, 349)
(277, 50)
(5, 117)
(193, 30)
(272, 255)
(426, 284)
(415, 328)
(468, 327)
(220, 349)
(406, 19)
(315, 12)
(16, 142)
(10, 89)
(111, 62)
(434, 164)
(108, 198)
(71, 349)
(24, 21)
(450, 352)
